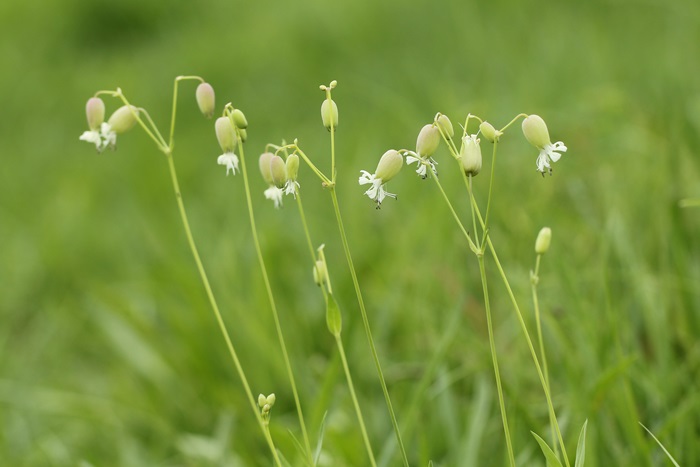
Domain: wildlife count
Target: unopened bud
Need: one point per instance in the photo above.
(95, 111)
(123, 119)
(278, 171)
(471, 155)
(205, 99)
(446, 126)
(320, 272)
(329, 114)
(489, 132)
(264, 163)
(226, 134)
(389, 165)
(428, 140)
(243, 134)
(239, 119)
(535, 131)
(292, 167)
(262, 400)
(544, 238)
(271, 399)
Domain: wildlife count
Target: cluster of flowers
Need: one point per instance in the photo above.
(104, 134)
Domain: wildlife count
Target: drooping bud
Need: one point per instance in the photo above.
(329, 114)
(428, 140)
(489, 132)
(320, 272)
(446, 126)
(95, 111)
(470, 154)
(205, 99)
(239, 119)
(544, 238)
(389, 165)
(264, 163)
(226, 134)
(535, 131)
(278, 171)
(292, 167)
(123, 119)
(243, 134)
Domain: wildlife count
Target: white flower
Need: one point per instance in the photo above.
(376, 192)
(102, 139)
(291, 188)
(547, 153)
(423, 163)
(275, 194)
(230, 160)
(389, 165)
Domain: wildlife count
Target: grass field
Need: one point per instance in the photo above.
(109, 353)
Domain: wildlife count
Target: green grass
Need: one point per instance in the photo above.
(108, 351)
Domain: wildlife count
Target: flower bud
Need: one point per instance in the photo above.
(278, 171)
(489, 132)
(535, 131)
(239, 119)
(225, 133)
(471, 155)
(329, 114)
(243, 134)
(389, 165)
(271, 399)
(446, 126)
(205, 99)
(320, 272)
(428, 140)
(292, 167)
(95, 111)
(264, 163)
(544, 238)
(123, 119)
(262, 400)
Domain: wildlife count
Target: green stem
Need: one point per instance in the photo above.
(215, 307)
(488, 201)
(534, 282)
(365, 322)
(174, 111)
(492, 343)
(351, 387)
(273, 306)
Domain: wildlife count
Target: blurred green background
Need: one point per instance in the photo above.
(109, 353)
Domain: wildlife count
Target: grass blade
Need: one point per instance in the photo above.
(581, 446)
(662, 446)
(552, 460)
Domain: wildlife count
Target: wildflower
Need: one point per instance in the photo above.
(226, 135)
(274, 172)
(445, 125)
(426, 145)
(205, 99)
(544, 238)
(329, 114)
(535, 131)
(389, 165)
(489, 132)
(470, 154)
(104, 134)
(292, 166)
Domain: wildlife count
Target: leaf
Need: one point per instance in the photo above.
(552, 460)
(334, 319)
(581, 447)
(319, 443)
(299, 447)
(662, 446)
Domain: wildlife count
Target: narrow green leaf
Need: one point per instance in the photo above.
(334, 319)
(662, 446)
(581, 447)
(319, 442)
(552, 460)
(299, 447)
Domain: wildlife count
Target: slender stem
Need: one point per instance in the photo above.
(488, 202)
(320, 174)
(472, 245)
(306, 229)
(273, 306)
(365, 322)
(492, 343)
(534, 281)
(515, 119)
(215, 307)
(174, 111)
(160, 142)
(351, 387)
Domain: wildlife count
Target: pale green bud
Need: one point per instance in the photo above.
(266, 409)
(95, 111)
(205, 99)
(489, 132)
(262, 400)
(544, 238)
(320, 272)
(264, 163)
(389, 165)
(446, 126)
(123, 119)
(470, 154)
(292, 167)
(428, 140)
(278, 171)
(226, 134)
(329, 114)
(243, 134)
(535, 131)
(239, 119)
(271, 399)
